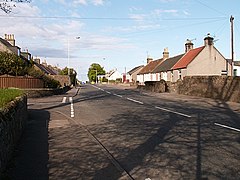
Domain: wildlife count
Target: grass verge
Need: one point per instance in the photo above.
(7, 95)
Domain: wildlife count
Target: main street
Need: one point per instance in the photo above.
(115, 132)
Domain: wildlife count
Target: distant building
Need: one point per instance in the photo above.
(236, 68)
(133, 73)
(8, 45)
(202, 61)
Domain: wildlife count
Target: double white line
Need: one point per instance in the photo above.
(71, 101)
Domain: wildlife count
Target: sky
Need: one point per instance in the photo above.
(118, 34)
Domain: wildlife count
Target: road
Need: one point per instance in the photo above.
(113, 132)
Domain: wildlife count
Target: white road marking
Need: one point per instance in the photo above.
(228, 127)
(64, 99)
(72, 109)
(136, 101)
(108, 92)
(117, 95)
(175, 112)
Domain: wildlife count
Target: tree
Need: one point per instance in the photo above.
(12, 64)
(72, 74)
(94, 70)
(7, 5)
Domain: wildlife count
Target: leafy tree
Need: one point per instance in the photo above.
(94, 70)
(7, 5)
(72, 74)
(12, 64)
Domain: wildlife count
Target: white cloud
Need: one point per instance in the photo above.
(83, 2)
(98, 2)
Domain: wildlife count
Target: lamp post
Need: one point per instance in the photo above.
(68, 54)
(96, 75)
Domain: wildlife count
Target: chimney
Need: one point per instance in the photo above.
(37, 60)
(149, 59)
(188, 45)
(10, 39)
(208, 41)
(165, 54)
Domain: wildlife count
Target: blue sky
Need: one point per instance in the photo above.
(118, 34)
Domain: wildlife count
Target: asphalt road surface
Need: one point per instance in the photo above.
(113, 132)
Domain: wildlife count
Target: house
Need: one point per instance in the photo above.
(164, 69)
(236, 68)
(114, 75)
(133, 73)
(8, 45)
(43, 67)
(148, 72)
(202, 61)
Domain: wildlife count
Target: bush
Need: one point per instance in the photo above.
(48, 81)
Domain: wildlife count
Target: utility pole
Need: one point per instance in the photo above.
(232, 50)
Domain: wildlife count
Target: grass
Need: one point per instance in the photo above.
(7, 95)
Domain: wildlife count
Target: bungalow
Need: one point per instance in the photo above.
(164, 69)
(202, 61)
(148, 72)
(133, 73)
(114, 75)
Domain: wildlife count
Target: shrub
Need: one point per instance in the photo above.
(48, 81)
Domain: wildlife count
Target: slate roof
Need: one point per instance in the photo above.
(10, 47)
(149, 68)
(168, 64)
(187, 58)
(45, 69)
(135, 69)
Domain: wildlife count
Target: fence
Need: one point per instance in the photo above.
(21, 82)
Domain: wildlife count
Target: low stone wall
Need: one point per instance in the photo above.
(225, 88)
(35, 93)
(155, 86)
(12, 122)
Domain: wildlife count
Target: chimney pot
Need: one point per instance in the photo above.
(188, 45)
(165, 54)
(208, 41)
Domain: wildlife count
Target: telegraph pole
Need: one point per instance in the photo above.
(232, 50)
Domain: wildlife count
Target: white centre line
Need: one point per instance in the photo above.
(72, 109)
(64, 99)
(136, 101)
(228, 127)
(117, 95)
(108, 92)
(175, 112)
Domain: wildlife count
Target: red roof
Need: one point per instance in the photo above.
(187, 58)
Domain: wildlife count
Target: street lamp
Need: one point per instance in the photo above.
(78, 37)
(96, 75)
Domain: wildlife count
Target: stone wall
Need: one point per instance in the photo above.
(12, 122)
(225, 88)
(63, 79)
(36, 93)
(155, 86)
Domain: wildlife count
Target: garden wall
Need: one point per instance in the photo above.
(12, 122)
(224, 88)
